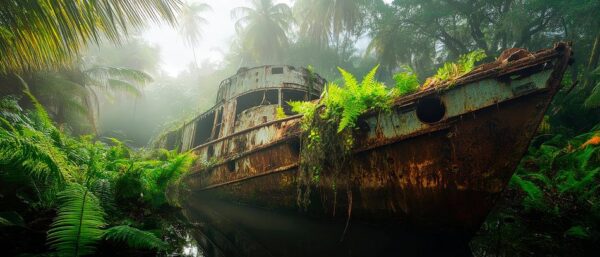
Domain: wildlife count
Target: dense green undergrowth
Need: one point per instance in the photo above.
(63, 196)
(552, 204)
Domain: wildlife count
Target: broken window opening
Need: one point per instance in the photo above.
(171, 140)
(291, 95)
(257, 98)
(203, 129)
(218, 123)
(277, 70)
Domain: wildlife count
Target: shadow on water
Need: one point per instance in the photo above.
(227, 229)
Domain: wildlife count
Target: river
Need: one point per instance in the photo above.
(228, 229)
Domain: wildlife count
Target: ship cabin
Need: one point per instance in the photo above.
(247, 99)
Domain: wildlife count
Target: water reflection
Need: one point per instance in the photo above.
(190, 248)
(222, 229)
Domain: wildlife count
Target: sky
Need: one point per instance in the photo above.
(217, 37)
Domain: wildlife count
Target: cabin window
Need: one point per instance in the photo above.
(257, 98)
(203, 129)
(431, 110)
(218, 124)
(210, 151)
(291, 95)
(171, 140)
(277, 70)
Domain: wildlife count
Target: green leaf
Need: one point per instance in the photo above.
(578, 232)
(406, 82)
(534, 198)
(134, 237)
(78, 225)
(593, 100)
(11, 218)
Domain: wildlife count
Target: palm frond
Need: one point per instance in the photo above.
(39, 35)
(134, 237)
(36, 153)
(593, 100)
(40, 111)
(78, 225)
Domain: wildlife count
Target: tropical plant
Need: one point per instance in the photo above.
(323, 21)
(78, 225)
(74, 93)
(406, 82)
(61, 28)
(553, 196)
(79, 177)
(450, 71)
(134, 237)
(263, 29)
(191, 23)
(593, 100)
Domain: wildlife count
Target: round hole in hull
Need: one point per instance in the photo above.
(231, 166)
(431, 110)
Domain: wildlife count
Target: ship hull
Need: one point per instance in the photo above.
(430, 171)
(448, 178)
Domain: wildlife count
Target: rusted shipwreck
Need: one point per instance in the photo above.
(438, 160)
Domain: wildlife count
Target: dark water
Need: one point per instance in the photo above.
(228, 229)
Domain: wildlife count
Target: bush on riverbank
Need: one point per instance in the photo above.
(65, 195)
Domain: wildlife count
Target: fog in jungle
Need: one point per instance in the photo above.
(215, 38)
(186, 73)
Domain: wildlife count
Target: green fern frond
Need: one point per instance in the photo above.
(406, 82)
(593, 100)
(369, 79)
(157, 180)
(280, 113)
(36, 153)
(350, 113)
(465, 64)
(350, 81)
(78, 225)
(175, 167)
(307, 109)
(577, 232)
(134, 237)
(40, 112)
(534, 198)
(11, 218)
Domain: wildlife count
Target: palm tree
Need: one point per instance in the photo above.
(44, 34)
(263, 29)
(394, 44)
(73, 93)
(324, 21)
(386, 41)
(190, 25)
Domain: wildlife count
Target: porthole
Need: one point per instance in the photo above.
(231, 166)
(430, 110)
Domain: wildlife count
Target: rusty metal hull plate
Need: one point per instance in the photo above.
(446, 179)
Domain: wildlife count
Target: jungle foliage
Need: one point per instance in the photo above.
(552, 204)
(46, 175)
(79, 191)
